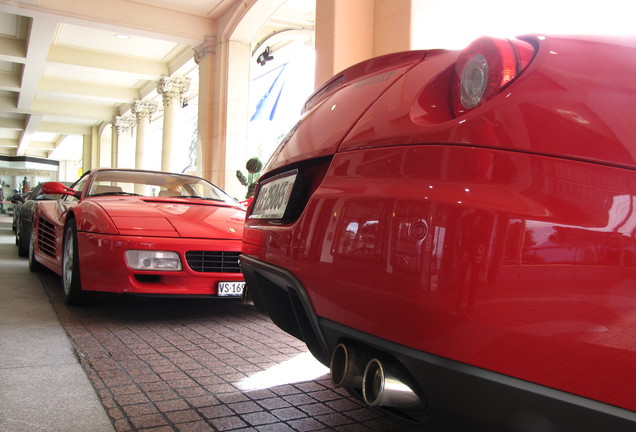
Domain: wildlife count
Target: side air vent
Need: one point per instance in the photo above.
(46, 237)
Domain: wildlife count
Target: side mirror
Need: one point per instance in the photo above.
(17, 198)
(50, 188)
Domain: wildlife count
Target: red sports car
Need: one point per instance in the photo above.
(454, 232)
(139, 232)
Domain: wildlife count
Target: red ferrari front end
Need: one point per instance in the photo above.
(453, 232)
(140, 232)
(199, 246)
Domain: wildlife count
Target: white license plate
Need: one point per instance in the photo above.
(230, 289)
(273, 197)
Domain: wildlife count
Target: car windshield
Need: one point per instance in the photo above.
(155, 184)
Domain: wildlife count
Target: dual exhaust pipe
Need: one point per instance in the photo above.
(382, 383)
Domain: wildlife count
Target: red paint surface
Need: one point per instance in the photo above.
(505, 238)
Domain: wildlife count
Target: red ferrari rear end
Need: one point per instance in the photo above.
(453, 232)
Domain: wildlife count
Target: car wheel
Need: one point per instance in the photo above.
(70, 267)
(22, 241)
(34, 264)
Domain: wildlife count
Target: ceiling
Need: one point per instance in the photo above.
(67, 66)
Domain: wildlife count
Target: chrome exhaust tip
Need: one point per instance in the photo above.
(346, 367)
(382, 387)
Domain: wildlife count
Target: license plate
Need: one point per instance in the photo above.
(273, 197)
(230, 289)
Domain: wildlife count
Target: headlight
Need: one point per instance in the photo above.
(153, 260)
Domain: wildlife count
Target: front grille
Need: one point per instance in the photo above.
(46, 237)
(214, 262)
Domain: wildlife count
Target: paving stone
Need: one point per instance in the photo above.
(197, 426)
(288, 413)
(172, 405)
(259, 418)
(139, 409)
(273, 403)
(184, 416)
(216, 411)
(181, 365)
(149, 420)
(228, 423)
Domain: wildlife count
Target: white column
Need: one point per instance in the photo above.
(142, 110)
(87, 153)
(204, 56)
(393, 25)
(172, 89)
(114, 145)
(224, 78)
(122, 125)
(344, 35)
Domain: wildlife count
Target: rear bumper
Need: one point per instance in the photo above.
(448, 387)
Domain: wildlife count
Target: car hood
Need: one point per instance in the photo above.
(178, 218)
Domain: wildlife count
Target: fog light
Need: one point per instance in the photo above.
(153, 260)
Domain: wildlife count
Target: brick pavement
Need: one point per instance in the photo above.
(185, 365)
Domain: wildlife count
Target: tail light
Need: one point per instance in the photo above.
(485, 68)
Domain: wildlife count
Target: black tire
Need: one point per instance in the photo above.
(22, 241)
(73, 293)
(34, 264)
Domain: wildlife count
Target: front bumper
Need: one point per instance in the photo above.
(103, 266)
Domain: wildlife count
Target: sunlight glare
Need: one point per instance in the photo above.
(302, 368)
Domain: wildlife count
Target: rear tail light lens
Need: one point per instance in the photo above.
(485, 68)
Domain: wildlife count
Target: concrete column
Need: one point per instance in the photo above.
(122, 126)
(142, 110)
(344, 35)
(87, 152)
(393, 26)
(94, 147)
(61, 169)
(114, 145)
(235, 109)
(172, 89)
(205, 55)
(226, 125)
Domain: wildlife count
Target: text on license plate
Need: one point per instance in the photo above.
(273, 197)
(230, 289)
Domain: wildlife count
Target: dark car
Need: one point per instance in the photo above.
(454, 233)
(23, 205)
